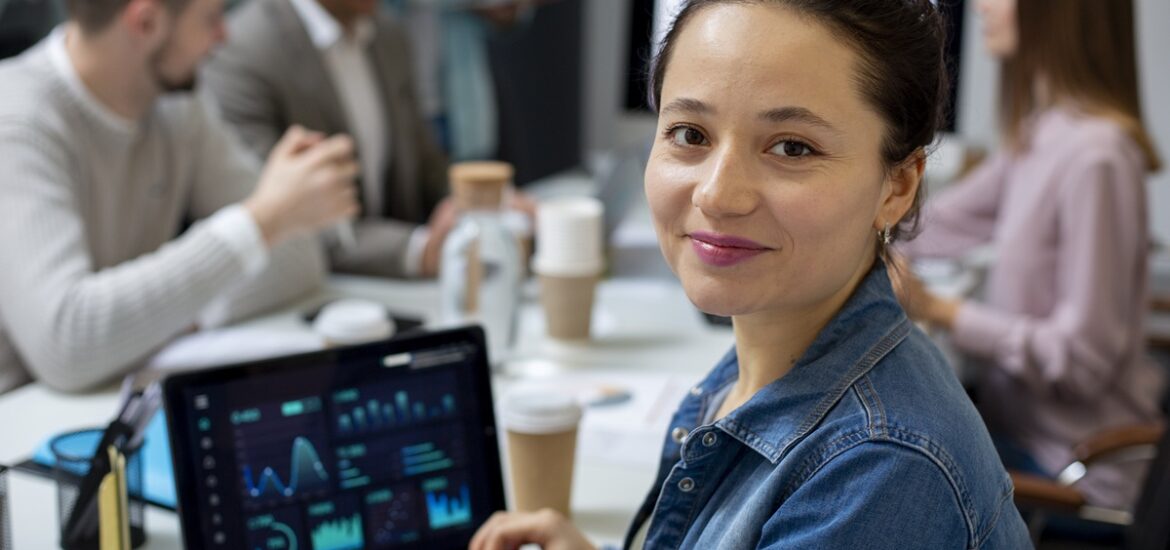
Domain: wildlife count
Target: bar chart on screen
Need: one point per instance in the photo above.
(448, 502)
(378, 407)
(336, 524)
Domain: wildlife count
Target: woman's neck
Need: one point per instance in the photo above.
(769, 343)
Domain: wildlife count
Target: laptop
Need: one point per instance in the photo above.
(385, 445)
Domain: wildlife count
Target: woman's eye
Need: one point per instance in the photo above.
(685, 135)
(794, 149)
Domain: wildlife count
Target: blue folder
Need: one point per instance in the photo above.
(158, 477)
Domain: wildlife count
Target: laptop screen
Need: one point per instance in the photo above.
(388, 445)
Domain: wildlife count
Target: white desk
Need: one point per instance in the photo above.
(645, 329)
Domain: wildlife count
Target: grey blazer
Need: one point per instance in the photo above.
(270, 76)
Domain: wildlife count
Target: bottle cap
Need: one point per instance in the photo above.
(479, 184)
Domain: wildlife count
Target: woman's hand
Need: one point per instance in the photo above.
(547, 528)
(920, 304)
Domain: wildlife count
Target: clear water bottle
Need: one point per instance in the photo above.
(480, 270)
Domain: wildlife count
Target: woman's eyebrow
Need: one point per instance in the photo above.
(691, 106)
(796, 114)
(686, 105)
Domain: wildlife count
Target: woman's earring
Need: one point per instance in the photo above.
(885, 233)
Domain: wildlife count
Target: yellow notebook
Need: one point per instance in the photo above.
(113, 505)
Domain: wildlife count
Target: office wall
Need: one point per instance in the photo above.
(1155, 65)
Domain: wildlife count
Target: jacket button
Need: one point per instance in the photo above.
(710, 439)
(697, 391)
(679, 434)
(686, 485)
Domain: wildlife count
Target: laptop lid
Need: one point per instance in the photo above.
(386, 445)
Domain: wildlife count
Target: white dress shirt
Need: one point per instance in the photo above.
(348, 64)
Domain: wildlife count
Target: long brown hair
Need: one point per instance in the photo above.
(1084, 52)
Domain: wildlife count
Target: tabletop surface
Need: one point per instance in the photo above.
(647, 339)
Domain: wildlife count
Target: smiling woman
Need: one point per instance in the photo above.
(790, 149)
(771, 150)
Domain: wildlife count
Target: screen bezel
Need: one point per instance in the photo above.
(178, 419)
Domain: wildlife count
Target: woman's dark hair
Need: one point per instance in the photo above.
(902, 73)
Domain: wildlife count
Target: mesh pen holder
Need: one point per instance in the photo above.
(72, 453)
(5, 523)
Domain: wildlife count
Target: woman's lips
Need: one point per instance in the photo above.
(724, 250)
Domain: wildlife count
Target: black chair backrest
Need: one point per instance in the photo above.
(25, 22)
(1151, 526)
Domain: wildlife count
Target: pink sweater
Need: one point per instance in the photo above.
(1061, 327)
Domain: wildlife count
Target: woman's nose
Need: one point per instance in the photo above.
(726, 187)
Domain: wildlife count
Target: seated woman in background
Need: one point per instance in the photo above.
(789, 155)
(1061, 327)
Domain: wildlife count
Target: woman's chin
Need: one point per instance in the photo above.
(714, 301)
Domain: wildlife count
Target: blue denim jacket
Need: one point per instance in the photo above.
(868, 442)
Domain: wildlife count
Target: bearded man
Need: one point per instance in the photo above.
(128, 213)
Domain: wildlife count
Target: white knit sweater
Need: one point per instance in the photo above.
(94, 275)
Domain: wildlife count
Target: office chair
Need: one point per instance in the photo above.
(1047, 501)
(1152, 521)
(24, 22)
(1148, 526)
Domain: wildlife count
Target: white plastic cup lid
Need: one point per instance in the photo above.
(541, 265)
(540, 413)
(569, 236)
(352, 321)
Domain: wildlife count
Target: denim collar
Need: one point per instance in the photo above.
(868, 326)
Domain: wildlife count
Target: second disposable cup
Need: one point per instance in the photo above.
(568, 263)
(542, 442)
(349, 321)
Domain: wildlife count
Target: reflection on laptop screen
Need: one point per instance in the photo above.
(390, 445)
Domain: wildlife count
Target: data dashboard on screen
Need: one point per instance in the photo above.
(375, 449)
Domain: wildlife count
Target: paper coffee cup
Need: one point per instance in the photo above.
(568, 263)
(568, 305)
(349, 321)
(542, 443)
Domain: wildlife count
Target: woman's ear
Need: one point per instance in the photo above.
(899, 189)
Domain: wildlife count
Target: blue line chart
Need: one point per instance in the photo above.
(306, 470)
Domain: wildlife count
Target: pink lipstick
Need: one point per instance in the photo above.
(724, 250)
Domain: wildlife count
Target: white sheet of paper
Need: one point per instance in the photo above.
(630, 432)
(233, 345)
